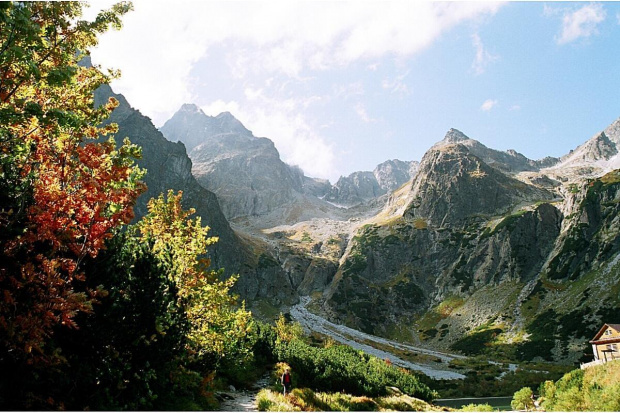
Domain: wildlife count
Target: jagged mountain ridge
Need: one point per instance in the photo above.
(249, 177)
(362, 186)
(503, 255)
(509, 161)
(169, 167)
(190, 124)
(490, 234)
(597, 156)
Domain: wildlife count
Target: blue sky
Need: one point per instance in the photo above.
(344, 86)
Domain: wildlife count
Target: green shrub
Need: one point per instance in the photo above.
(594, 389)
(476, 408)
(341, 368)
(522, 399)
(476, 342)
(263, 401)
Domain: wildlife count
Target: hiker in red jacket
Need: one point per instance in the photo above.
(286, 381)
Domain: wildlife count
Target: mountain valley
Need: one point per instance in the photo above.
(470, 250)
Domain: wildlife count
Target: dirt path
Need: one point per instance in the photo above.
(243, 400)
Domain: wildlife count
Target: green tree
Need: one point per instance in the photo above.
(523, 399)
(218, 328)
(124, 353)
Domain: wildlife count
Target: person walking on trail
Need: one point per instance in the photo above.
(286, 381)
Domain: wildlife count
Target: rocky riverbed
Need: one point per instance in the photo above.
(436, 368)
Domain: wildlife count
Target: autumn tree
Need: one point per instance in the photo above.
(64, 188)
(218, 329)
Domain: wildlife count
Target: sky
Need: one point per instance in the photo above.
(343, 86)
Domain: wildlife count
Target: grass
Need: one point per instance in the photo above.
(440, 312)
(420, 223)
(594, 389)
(266, 309)
(305, 399)
(612, 177)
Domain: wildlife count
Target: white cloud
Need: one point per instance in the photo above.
(580, 23)
(483, 57)
(488, 105)
(160, 44)
(397, 85)
(155, 52)
(361, 111)
(515, 107)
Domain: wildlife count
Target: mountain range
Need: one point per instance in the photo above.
(471, 249)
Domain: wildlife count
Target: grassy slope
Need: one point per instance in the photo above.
(594, 389)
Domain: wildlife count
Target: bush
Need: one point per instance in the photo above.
(476, 408)
(523, 399)
(268, 400)
(594, 389)
(341, 368)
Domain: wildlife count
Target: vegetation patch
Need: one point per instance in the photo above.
(305, 399)
(475, 342)
(593, 389)
(611, 178)
(426, 325)
(486, 379)
(341, 368)
(508, 222)
(420, 223)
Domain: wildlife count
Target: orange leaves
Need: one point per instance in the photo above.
(68, 190)
(81, 198)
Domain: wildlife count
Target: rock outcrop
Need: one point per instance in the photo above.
(363, 186)
(169, 167)
(479, 256)
(244, 171)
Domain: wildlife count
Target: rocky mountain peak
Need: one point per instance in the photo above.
(454, 136)
(454, 184)
(595, 157)
(613, 132)
(191, 125)
(244, 171)
(509, 161)
(227, 123)
(362, 186)
(191, 108)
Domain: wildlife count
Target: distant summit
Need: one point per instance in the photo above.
(244, 171)
(190, 124)
(509, 161)
(454, 136)
(595, 157)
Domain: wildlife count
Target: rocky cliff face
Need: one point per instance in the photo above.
(394, 173)
(190, 125)
(478, 258)
(245, 172)
(360, 187)
(169, 167)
